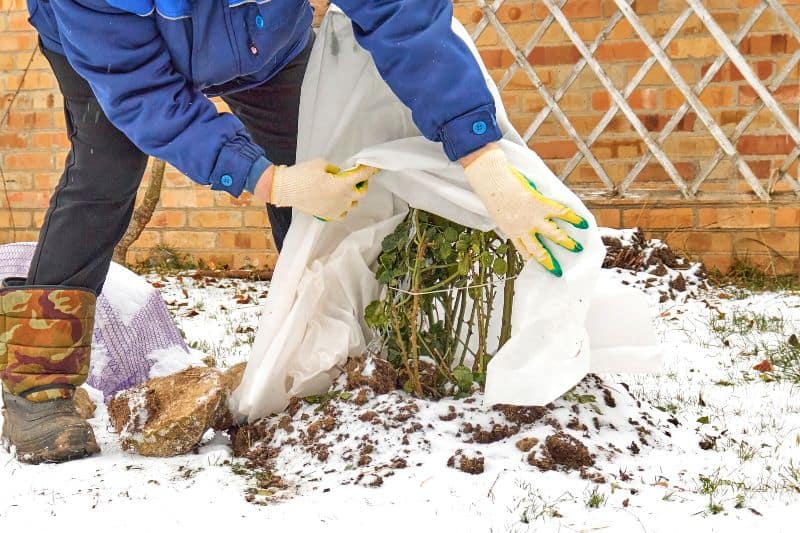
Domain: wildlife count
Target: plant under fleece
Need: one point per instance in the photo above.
(439, 283)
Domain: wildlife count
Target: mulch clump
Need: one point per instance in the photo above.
(470, 463)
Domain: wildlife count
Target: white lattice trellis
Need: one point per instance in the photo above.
(619, 98)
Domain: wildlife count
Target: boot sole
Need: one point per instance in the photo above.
(70, 444)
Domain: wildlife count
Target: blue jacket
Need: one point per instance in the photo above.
(153, 63)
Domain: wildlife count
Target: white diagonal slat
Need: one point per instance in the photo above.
(617, 97)
(572, 164)
(702, 113)
(520, 58)
(743, 124)
(541, 29)
(748, 74)
(484, 22)
(698, 88)
(574, 73)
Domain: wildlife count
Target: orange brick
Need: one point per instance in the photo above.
(622, 51)
(193, 197)
(609, 218)
(14, 42)
(784, 242)
(734, 217)
(148, 239)
(29, 120)
(721, 262)
(693, 48)
(215, 219)
(693, 242)
(554, 149)
(190, 239)
(787, 217)
(658, 218)
(254, 259)
(553, 55)
(167, 219)
(21, 219)
(13, 140)
(765, 144)
(786, 94)
(24, 199)
(50, 140)
(718, 96)
(28, 161)
(256, 219)
(242, 239)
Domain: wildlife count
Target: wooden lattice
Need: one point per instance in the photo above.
(619, 98)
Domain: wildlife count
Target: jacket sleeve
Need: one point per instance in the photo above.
(126, 63)
(429, 68)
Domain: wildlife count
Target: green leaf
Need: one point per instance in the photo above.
(463, 377)
(390, 242)
(388, 259)
(451, 235)
(500, 266)
(463, 266)
(702, 420)
(408, 386)
(374, 314)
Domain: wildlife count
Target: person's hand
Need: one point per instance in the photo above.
(518, 208)
(315, 187)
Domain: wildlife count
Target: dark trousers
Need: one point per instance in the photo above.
(93, 203)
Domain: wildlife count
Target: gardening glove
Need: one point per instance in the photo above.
(319, 188)
(520, 210)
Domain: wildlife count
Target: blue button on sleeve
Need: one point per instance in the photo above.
(234, 165)
(469, 132)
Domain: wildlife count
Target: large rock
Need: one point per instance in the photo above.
(169, 415)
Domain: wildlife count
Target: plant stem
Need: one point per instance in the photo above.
(508, 294)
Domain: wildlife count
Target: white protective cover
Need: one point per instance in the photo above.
(562, 328)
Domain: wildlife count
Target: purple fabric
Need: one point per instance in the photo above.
(126, 347)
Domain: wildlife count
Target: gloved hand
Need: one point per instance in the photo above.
(318, 188)
(520, 210)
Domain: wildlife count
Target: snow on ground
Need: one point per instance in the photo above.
(747, 477)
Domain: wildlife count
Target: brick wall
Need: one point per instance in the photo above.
(725, 219)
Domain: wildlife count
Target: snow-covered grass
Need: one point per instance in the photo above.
(746, 478)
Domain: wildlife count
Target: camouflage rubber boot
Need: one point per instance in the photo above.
(45, 345)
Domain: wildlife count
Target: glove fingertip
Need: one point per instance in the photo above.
(583, 224)
(555, 268)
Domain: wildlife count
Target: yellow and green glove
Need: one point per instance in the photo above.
(319, 188)
(520, 210)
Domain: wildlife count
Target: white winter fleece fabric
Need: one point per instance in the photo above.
(562, 328)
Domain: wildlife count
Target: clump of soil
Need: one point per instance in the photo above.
(470, 463)
(568, 451)
(496, 432)
(669, 272)
(522, 415)
(372, 373)
(527, 444)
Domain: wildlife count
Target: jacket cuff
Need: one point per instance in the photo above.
(258, 168)
(234, 165)
(469, 132)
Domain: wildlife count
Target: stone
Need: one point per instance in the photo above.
(83, 404)
(169, 415)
